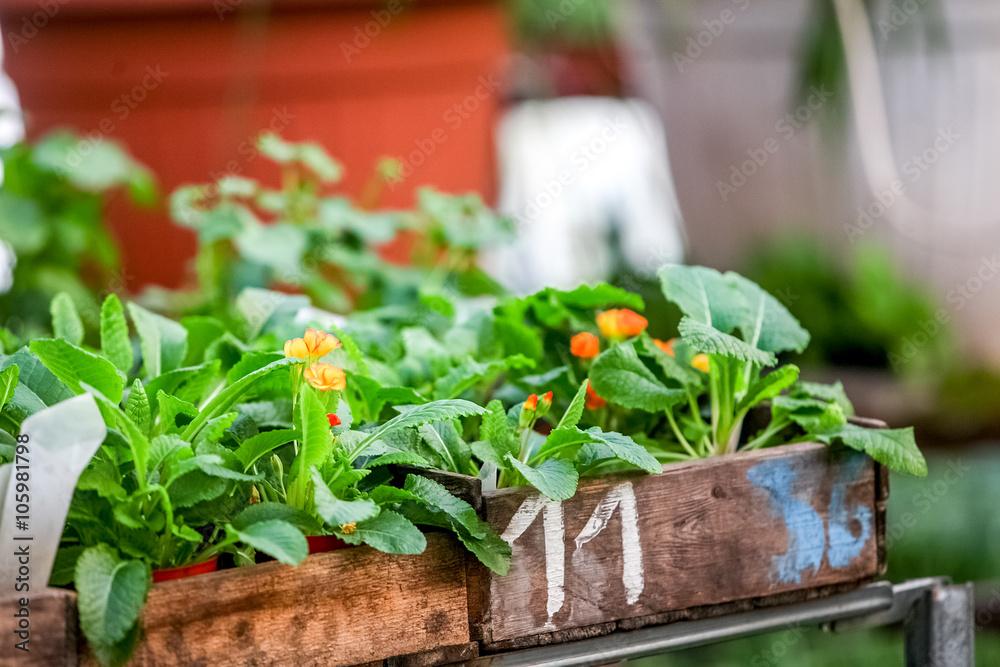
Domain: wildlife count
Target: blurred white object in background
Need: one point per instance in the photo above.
(580, 175)
(11, 123)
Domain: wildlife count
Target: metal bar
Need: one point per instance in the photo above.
(940, 631)
(616, 647)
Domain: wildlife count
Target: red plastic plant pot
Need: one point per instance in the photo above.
(186, 571)
(322, 543)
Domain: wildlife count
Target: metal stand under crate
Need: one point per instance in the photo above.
(937, 618)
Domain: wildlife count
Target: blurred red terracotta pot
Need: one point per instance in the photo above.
(187, 84)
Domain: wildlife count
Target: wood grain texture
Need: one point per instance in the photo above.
(53, 630)
(344, 607)
(708, 532)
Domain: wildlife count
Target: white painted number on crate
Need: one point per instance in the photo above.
(620, 497)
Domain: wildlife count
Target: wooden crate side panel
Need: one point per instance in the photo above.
(703, 533)
(345, 607)
(52, 629)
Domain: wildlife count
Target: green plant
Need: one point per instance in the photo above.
(51, 216)
(200, 432)
(740, 328)
(302, 238)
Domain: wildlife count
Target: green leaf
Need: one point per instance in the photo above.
(555, 478)
(420, 415)
(66, 322)
(812, 414)
(672, 367)
(620, 377)
(389, 532)
(215, 429)
(768, 386)
(163, 341)
(170, 407)
(491, 550)
(137, 406)
(162, 449)
(33, 376)
(317, 440)
(399, 458)
(276, 538)
(574, 412)
(600, 295)
(335, 511)
(387, 495)
(232, 394)
(458, 511)
(768, 325)
(827, 392)
(709, 340)
(894, 448)
(8, 384)
(705, 296)
(74, 365)
(115, 344)
(111, 594)
(626, 449)
(470, 373)
(251, 449)
(196, 487)
(443, 438)
(261, 512)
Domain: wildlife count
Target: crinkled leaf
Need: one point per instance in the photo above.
(261, 512)
(491, 550)
(389, 532)
(111, 593)
(894, 448)
(162, 449)
(704, 295)
(276, 538)
(574, 412)
(767, 324)
(620, 377)
(709, 340)
(768, 386)
(8, 384)
(626, 449)
(423, 414)
(443, 439)
(66, 322)
(115, 344)
(555, 478)
(163, 341)
(137, 406)
(73, 365)
(335, 511)
(251, 449)
(458, 510)
(828, 392)
(399, 458)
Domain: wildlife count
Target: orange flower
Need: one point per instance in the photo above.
(593, 401)
(585, 345)
(326, 377)
(333, 419)
(666, 346)
(531, 403)
(622, 323)
(313, 346)
(700, 362)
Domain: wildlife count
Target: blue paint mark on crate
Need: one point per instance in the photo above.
(808, 538)
(843, 545)
(806, 533)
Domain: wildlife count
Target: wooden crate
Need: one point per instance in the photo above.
(707, 537)
(348, 607)
(52, 629)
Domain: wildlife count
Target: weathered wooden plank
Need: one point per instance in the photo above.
(52, 628)
(344, 607)
(708, 532)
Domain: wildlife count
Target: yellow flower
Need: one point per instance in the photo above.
(326, 377)
(622, 323)
(348, 528)
(700, 362)
(313, 346)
